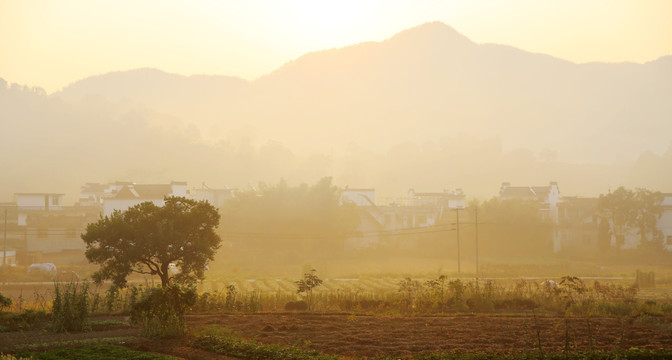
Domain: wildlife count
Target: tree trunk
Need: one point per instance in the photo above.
(164, 274)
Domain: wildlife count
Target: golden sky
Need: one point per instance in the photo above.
(51, 43)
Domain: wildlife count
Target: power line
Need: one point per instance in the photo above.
(400, 232)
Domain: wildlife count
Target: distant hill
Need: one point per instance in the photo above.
(196, 99)
(420, 85)
(427, 109)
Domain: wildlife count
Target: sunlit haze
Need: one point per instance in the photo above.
(398, 179)
(51, 44)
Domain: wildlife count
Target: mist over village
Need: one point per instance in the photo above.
(399, 190)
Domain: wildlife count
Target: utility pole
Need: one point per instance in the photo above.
(457, 210)
(476, 230)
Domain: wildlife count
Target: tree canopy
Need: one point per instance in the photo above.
(638, 209)
(513, 228)
(147, 238)
(285, 217)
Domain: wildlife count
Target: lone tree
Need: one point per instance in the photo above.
(147, 238)
(310, 281)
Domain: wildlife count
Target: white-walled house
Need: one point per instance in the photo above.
(454, 199)
(371, 218)
(92, 194)
(39, 201)
(546, 196)
(31, 202)
(664, 223)
(360, 197)
(41, 223)
(129, 195)
(216, 197)
(416, 210)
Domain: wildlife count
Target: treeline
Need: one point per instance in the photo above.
(282, 225)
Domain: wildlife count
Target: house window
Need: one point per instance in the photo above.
(668, 241)
(42, 233)
(70, 233)
(54, 200)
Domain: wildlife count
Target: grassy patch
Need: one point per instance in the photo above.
(99, 351)
(108, 322)
(78, 343)
(634, 354)
(26, 320)
(231, 345)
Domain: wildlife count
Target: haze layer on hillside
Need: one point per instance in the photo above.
(427, 109)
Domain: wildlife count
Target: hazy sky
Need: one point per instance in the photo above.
(51, 43)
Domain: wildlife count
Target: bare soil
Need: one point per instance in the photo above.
(377, 335)
(359, 336)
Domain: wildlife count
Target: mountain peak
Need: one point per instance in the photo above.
(432, 31)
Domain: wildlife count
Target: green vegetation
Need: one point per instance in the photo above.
(108, 322)
(572, 355)
(147, 239)
(161, 311)
(511, 228)
(5, 302)
(42, 346)
(70, 309)
(307, 284)
(24, 320)
(227, 343)
(286, 223)
(639, 209)
(12, 357)
(99, 351)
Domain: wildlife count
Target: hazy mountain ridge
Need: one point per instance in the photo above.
(427, 108)
(55, 146)
(164, 92)
(425, 83)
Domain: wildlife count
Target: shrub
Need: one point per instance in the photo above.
(98, 351)
(70, 309)
(25, 320)
(161, 311)
(409, 289)
(307, 284)
(5, 302)
(230, 304)
(231, 345)
(12, 357)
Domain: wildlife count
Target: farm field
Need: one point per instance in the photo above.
(353, 336)
(356, 318)
(367, 336)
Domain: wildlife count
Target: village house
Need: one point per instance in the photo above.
(216, 197)
(126, 195)
(578, 223)
(664, 223)
(371, 219)
(546, 196)
(416, 210)
(38, 224)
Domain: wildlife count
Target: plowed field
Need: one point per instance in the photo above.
(376, 335)
(360, 336)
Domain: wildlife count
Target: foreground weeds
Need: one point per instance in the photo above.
(578, 355)
(101, 351)
(225, 342)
